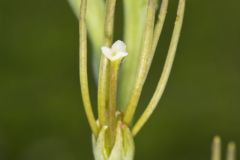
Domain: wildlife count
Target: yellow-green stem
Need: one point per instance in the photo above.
(134, 23)
(144, 62)
(159, 25)
(158, 30)
(83, 68)
(216, 148)
(231, 151)
(103, 81)
(112, 104)
(166, 70)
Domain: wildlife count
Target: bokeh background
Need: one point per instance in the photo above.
(41, 113)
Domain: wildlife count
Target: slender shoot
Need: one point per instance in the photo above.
(159, 25)
(216, 148)
(103, 82)
(144, 62)
(112, 105)
(166, 70)
(231, 151)
(83, 68)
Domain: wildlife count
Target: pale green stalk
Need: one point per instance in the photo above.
(159, 25)
(166, 70)
(94, 17)
(83, 68)
(134, 23)
(216, 148)
(103, 81)
(109, 21)
(158, 30)
(112, 105)
(231, 151)
(144, 62)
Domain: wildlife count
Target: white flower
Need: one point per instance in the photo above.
(117, 51)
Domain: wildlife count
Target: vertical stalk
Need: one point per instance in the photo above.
(107, 78)
(216, 149)
(109, 21)
(112, 105)
(166, 69)
(103, 81)
(83, 68)
(231, 151)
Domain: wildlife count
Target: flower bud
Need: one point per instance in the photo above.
(123, 148)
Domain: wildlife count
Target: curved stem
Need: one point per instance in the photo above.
(159, 25)
(83, 68)
(158, 30)
(144, 62)
(135, 12)
(166, 70)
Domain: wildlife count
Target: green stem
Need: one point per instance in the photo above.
(112, 104)
(103, 81)
(216, 149)
(109, 21)
(83, 68)
(159, 25)
(231, 151)
(166, 70)
(135, 12)
(94, 17)
(144, 62)
(158, 30)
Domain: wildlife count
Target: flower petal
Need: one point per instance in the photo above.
(119, 46)
(107, 52)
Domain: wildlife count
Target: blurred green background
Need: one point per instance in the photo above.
(41, 113)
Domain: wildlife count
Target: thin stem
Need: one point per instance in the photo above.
(158, 29)
(135, 12)
(159, 25)
(103, 81)
(231, 151)
(83, 68)
(216, 149)
(112, 105)
(144, 62)
(109, 21)
(166, 70)
(103, 90)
